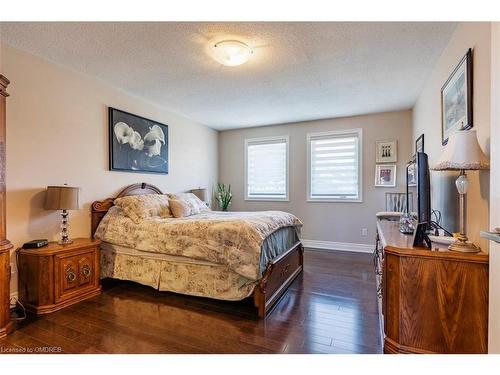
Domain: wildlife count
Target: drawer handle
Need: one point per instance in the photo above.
(70, 275)
(86, 271)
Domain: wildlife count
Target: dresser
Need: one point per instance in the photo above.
(433, 301)
(57, 276)
(5, 245)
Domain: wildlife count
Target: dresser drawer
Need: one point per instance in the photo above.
(74, 273)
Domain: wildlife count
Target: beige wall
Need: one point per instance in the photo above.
(336, 222)
(427, 120)
(494, 321)
(57, 133)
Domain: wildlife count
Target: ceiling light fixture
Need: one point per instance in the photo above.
(232, 52)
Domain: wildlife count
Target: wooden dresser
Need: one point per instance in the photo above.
(56, 276)
(5, 245)
(433, 301)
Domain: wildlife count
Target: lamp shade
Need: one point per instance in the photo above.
(462, 152)
(62, 198)
(201, 193)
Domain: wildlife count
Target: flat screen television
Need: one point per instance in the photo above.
(423, 189)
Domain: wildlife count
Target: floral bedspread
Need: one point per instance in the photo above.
(229, 238)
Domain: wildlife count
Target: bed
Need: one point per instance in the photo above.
(227, 256)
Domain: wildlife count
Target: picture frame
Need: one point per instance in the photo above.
(456, 99)
(385, 175)
(386, 151)
(137, 144)
(419, 144)
(411, 173)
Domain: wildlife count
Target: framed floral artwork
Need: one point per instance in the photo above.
(137, 144)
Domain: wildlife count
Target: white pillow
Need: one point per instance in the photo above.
(182, 208)
(192, 199)
(140, 207)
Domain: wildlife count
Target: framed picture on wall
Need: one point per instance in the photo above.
(411, 176)
(456, 99)
(419, 144)
(387, 151)
(385, 175)
(137, 144)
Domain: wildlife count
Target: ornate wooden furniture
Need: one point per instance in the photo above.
(5, 245)
(279, 274)
(433, 301)
(57, 276)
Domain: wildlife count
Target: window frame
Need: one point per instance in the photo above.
(271, 139)
(310, 136)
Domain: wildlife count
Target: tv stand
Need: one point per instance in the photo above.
(432, 301)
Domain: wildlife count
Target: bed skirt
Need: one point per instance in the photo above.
(173, 274)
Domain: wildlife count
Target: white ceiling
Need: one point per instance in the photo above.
(299, 71)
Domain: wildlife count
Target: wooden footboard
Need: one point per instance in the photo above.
(279, 274)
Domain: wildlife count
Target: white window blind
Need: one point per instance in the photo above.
(334, 166)
(267, 168)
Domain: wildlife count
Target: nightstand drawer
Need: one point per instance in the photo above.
(73, 273)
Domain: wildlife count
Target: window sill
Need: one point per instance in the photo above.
(267, 199)
(327, 200)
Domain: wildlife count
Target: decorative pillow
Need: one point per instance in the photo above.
(140, 207)
(182, 208)
(191, 198)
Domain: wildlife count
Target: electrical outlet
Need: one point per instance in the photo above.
(364, 232)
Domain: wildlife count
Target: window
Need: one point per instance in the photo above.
(266, 163)
(334, 166)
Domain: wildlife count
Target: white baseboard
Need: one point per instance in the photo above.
(338, 246)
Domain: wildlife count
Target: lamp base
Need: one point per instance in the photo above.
(65, 241)
(464, 247)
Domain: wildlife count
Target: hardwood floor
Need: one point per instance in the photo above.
(331, 308)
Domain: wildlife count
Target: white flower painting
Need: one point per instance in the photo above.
(137, 144)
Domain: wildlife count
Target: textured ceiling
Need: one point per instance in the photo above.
(299, 71)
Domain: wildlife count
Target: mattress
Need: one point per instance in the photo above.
(122, 250)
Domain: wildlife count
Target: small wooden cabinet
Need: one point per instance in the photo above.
(433, 301)
(57, 276)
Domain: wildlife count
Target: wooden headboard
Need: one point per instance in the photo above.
(100, 208)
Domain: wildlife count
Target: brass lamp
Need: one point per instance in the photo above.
(463, 153)
(63, 198)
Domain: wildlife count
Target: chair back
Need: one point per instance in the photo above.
(396, 202)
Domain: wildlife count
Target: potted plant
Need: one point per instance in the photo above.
(224, 196)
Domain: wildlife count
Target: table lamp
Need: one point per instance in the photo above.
(463, 153)
(63, 198)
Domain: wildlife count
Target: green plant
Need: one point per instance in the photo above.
(224, 196)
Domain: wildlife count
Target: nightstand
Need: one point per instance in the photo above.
(57, 276)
